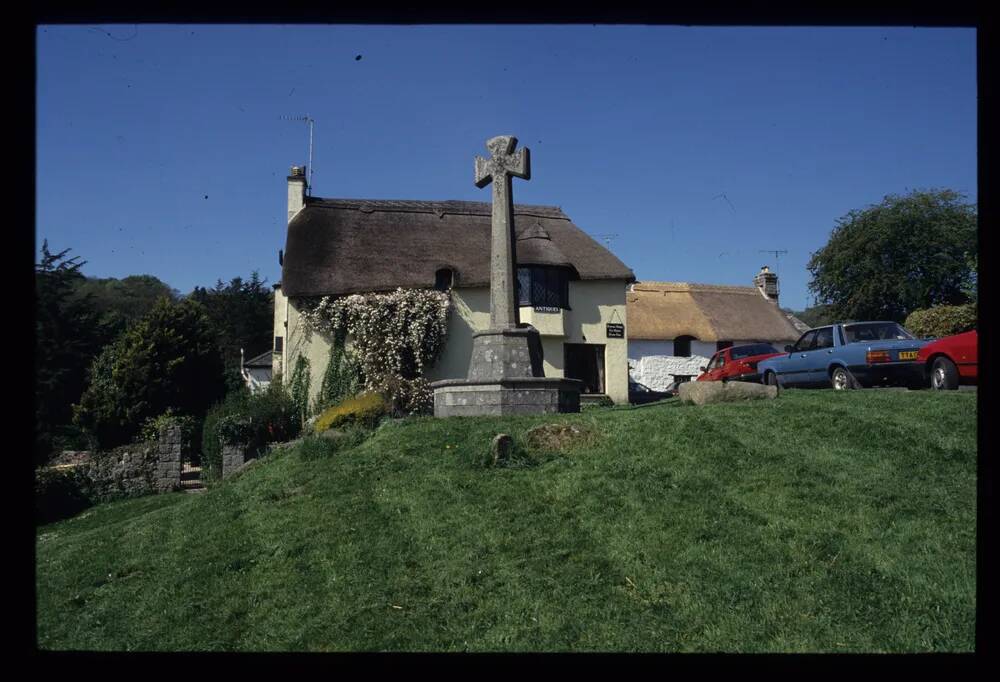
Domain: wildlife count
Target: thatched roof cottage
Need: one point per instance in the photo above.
(676, 327)
(570, 286)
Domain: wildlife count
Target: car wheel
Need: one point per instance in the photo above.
(770, 379)
(842, 380)
(944, 375)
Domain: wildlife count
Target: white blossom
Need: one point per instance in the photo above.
(397, 336)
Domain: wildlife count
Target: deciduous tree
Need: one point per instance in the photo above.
(908, 252)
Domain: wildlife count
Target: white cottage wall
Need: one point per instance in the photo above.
(653, 364)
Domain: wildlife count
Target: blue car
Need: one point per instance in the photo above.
(845, 356)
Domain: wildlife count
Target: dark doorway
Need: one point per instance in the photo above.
(585, 361)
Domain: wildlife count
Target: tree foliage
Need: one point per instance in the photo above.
(67, 337)
(167, 360)
(908, 252)
(121, 302)
(243, 315)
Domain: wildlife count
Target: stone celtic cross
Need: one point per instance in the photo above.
(502, 164)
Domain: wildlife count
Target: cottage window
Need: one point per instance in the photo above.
(723, 344)
(443, 279)
(682, 346)
(543, 286)
(278, 344)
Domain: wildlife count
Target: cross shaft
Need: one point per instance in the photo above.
(502, 164)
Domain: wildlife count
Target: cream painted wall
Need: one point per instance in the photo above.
(280, 305)
(315, 347)
(593, 304)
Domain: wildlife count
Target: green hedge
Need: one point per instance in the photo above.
(59, 493)
(252, 420)
(942, 320)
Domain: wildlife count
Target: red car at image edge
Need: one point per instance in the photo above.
(737, 363)
(952, 360)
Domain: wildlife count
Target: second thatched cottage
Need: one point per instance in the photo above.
(676, 327)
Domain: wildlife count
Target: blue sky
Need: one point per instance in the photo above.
(161, 149)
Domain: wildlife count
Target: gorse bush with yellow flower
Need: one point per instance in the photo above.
(364, 410)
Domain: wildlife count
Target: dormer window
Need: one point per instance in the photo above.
(543, 286)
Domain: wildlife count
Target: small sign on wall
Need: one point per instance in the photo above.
(615, 330)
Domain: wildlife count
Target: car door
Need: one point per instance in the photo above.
(793, 367)
(723, 365)
(818, 357)
(713, 368)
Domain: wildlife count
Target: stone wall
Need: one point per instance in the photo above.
(233, 459)
(168, 467)
(133, 470)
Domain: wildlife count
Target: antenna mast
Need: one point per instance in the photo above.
(777, 263)
(309, 167)
(606, 237)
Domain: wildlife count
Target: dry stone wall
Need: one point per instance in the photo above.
(134, 470)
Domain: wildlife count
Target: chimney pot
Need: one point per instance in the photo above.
(296, 190)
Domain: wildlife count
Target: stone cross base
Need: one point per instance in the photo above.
(527, 395)
(499, 354)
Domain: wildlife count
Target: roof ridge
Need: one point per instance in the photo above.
(691, 286)
(432, 206)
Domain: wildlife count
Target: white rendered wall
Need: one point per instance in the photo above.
(653, 364)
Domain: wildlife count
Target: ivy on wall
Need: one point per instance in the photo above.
(298, 387)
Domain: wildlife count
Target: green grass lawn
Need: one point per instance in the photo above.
(820, 521)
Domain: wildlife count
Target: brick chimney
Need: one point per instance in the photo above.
(767, 284)
(296, 190)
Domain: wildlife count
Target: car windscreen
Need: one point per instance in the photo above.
(875, 331)
(753, 349)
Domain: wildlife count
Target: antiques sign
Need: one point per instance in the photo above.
(615, 330)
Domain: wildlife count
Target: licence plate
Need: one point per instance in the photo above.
(908, 355)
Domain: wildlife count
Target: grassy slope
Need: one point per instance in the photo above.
(818, 522)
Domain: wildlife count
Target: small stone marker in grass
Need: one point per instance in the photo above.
(501, 448)
(705, 392)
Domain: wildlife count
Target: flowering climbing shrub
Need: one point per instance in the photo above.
(397, 336)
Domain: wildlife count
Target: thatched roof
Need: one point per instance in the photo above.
(342, 246)
(667, 310)
(801, 326)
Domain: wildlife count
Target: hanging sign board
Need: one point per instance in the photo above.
(615, 330)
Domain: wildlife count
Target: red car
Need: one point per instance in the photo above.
(952, 360)
(737, 363)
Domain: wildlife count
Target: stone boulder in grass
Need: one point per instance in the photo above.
(559, 436)
(705, 392)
